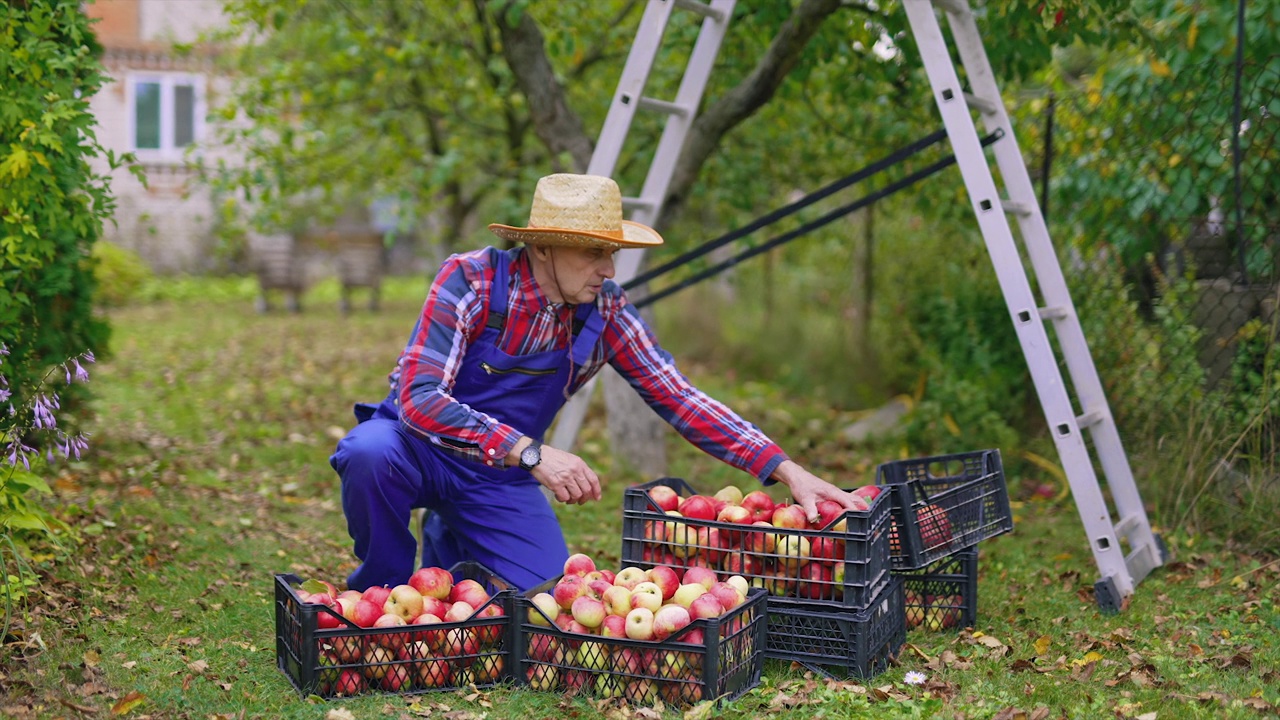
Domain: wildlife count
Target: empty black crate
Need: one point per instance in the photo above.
(710, 659)
(844, 567)
(838, 642)
(944, 595)
(406, 659)
(944, 504)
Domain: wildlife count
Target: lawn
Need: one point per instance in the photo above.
(207, 474)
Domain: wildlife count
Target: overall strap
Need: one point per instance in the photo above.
(587, 326)
(498, 295)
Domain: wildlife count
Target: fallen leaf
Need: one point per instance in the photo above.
(339, 714)
(127, 703)
(699, 711)
(1042, 644)
(198, 667)
(92, 658)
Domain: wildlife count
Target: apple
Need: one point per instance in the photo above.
(682, 538)
(543, 678)
(614, 626)
(573, 626)
(825, 548)
(727, 594)
(376, 594)
(470, 592)
(705, 605)
(647, 595)
(392, 641)
(935, 527)
(434, 639)
(347, 648)
(694, 637)
(740, 583)
(352, 594)
(712, 542)
(685, 691)
(396, 677)
(328, 620)
(687, 593)
(568, 589)
(668, 620)
(350, 682)
(816, 581)
(793, 551)
(664, 497)
(701, 576)
(434, 606)
(630, 576)
(462, 645)
(545, 648)
(579, 564)
(642, 691)
(735, 514)
(432, 582)
(666, 578)
(743, 564)
(760, 505)
(829, 511)
(760, 541)
(915, 609)
(596, 588)
(376, 660)
(608, 685)
(491, 632)
(592, 655)
(327, 672)
(404, 601)
(628, 661)
(617, 600)
(869, 492)
(366, 613)
(639, 624)
(458, 612)
(544, 611)
(698, 507)
(730, 495)
(435, 673)
(589, 611)
(609, 575)
(790, 517)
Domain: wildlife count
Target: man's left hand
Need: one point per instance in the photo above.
(807, 489)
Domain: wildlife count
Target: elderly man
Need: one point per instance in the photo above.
(504, 338)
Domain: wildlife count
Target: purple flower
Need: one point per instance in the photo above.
(81, 374)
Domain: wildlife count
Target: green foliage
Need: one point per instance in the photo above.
(119, 274)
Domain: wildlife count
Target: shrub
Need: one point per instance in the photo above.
(118, 273)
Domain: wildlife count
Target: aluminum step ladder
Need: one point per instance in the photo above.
(1120, 571)
(627, 100)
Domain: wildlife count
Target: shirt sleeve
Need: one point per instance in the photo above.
(708, 424)
(451, 319)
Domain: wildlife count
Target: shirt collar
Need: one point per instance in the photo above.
(525, 289)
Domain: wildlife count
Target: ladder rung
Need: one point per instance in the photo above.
(1090, 418)
(663, 106)
(634, 203)
(1127, 524)
(982, 105)
(1016, 208)
(1057, 312)
(955, 6)
(701, 8)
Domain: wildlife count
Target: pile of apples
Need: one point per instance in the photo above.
(785, 563)
(933, 612)
(657, 605)
(422, 655)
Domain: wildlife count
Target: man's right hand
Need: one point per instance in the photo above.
(567, 476)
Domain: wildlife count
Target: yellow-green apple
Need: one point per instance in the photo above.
(433, 582)
(490, 632)
(687, 593)
(664, 497)
(589, 611)
(701, 576)
(669, 619)
(487, 669)
(376, 594)
(579, 564)
(740, 583)
(545, 609)
(793, 551)
(592, 655)
(434, 673)
(350, 682)
(705, 605)
(730, 494)
(327, 672)
(647, 595)
(666, 578)
(698, 507)
(760, 505)
(639, 624)
(608, 685)
(458, 612)
(404, 601)
(630, 576)
(543, 678)
(617, 599)
(614, 626)
(815, 581)
(915, 609)
(568, 589)
(790, 517)
(682, 538)
(376, 660)
(727, 594)
(545, 648)
(470, 592)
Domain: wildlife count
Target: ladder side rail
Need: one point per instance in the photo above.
(626, 99)
(1019, 298)
(1053, 287)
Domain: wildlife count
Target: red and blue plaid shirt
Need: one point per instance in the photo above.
(453, 317)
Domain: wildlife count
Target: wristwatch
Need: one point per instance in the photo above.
(531, 456)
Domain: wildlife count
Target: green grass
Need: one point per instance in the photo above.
(208, 473)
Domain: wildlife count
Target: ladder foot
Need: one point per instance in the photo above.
(1162, 548)
(1109, 600)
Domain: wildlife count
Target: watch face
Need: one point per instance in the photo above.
(530, 456)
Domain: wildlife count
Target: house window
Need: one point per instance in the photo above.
(167, 114)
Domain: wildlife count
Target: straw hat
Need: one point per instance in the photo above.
(580, 211)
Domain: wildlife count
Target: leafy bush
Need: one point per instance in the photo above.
(119, 274)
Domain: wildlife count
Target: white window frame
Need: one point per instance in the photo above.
(167, 152)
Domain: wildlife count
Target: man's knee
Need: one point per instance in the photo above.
(363, 450)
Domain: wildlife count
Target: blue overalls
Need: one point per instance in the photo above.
(497, 517)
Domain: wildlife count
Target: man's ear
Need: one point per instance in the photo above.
(540, 252)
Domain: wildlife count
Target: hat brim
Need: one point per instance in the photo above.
(634, 235)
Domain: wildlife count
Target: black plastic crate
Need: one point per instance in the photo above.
(349, 660)
(852, 565)
(944, 595)
(841, 643)
(944, 504)
(710, 659)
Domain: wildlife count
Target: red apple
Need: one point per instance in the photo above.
(789, 516)
(629, 577)
(376, 594)
(935, 527)
(396, 677)
(350, 682)
(579, 564)
(487, 669)
(597, 588)
(727, 594)
(490, 633)
(705, 605)
(376, 661)
(712, 544)
(470, 592)
(543, 678)
(668, 620)
(816, 581)
(432, 582)
(664, 497)
(666, 578)
(435, 673)
(617, 600)
(700, 575)
(761, 541)
(614, 626)
(825, 548)
(570, 588)
(458, 612)
(829, 511)
(391, 641)
(869, 492)
(545, 648)
(366, 613)
(589, 611)
(760, 505)
(433, 638)
(698, 507)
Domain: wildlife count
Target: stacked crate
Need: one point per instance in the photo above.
(833, 604)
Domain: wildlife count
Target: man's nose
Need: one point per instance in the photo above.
(606, 267)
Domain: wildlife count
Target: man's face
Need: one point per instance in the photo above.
(575, 274)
